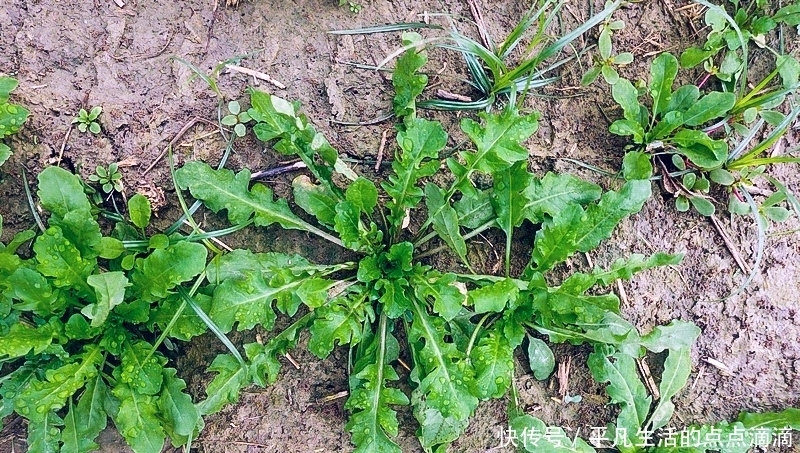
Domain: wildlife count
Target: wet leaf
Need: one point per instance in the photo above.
(662, 76)
(139, 210)
(540, 358)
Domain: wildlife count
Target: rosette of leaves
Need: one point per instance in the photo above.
(606, 60)
(79, 318)
(109, 178)
(460, 330)
(12, 116)
(236, 118)
(87, 120)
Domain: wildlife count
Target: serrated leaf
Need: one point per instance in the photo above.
(494, 363)
(82, 230)
(154, 277)
(44, 433)
(444, 398)
(408, 84)
(662, 75)
(51, 394)
(624, 388)
(20, 339)
(109, 288)
(224, 389)
(137, 420)
(445, 220)
(540, 358)
(676, 373)
(419, 146)
(623, 268)
(373, 420)
(139, 210)
(140, 368)
(713, 105)
(574, 230)
(61, 192)
(248, 301)
(676, 335)
(448, 299)
(340, 321)
(498, 140)
(33, 293)
(494, 297)
(180, 414)
(530, 432)
(188, 324)
(554, 192)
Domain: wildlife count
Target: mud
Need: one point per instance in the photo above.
(82, 53)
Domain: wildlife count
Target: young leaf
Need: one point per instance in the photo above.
(316, 200)
(494, 363)
(155, 276)
(109, 287)
(74, 441)
(373, 420)
(554, 192)
(139, 210)
(86, 420)
(340, 321)
(703, 206)
(540, 358)
(509, 204)
(448, 299)
(140, 368)
(224, 389)
(408, 84)
(444, 398)
(627, 96)
(494, 297)
(60, 259)
(420, 144)
(363, 195)
(445, 220)
(498, 141)
(701, 149)
(137, 420)
(181, 416)
(662, 76)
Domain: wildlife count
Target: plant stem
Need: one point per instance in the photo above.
(474, 335)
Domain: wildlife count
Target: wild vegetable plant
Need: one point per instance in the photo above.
(12, 116)
(87, 120)
(81, 320)
(109, 178)
(457, 330)
(606, 60)
(236, 118)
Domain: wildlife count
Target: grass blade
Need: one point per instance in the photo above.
(403, 26)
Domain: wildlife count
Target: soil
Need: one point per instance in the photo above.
(83, 53)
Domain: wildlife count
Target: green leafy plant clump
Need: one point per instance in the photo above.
(87, 120)
(12, 116)
(457, 330)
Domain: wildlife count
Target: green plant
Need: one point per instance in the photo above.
(110, 179)
(491, 73)
(12, 116)
(88, 120)
(605, 61)
(459, 329)
(354, 7)
(236, 118)
(77, 342)
(751, 22)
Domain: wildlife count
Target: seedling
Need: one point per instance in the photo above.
(12, 116)
(354, 7)
(236, 118)
(606, 61)
(109, 178)
(88, 120)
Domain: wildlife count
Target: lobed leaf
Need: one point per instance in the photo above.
(138, 420)
(340, 321)
(493, 360)
(231, 377)
(155, 276)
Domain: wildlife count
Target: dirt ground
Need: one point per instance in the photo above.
(82, 53)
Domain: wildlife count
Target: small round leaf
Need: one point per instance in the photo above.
(703, 206)
(681, 204)
(722, 177)
(234, 107)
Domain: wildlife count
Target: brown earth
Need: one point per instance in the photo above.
(82, 53)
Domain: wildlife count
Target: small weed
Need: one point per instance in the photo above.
(354, 7)
(12, 116)
(236, 118)
(88, 120)
(606, 61)
(109, 178)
